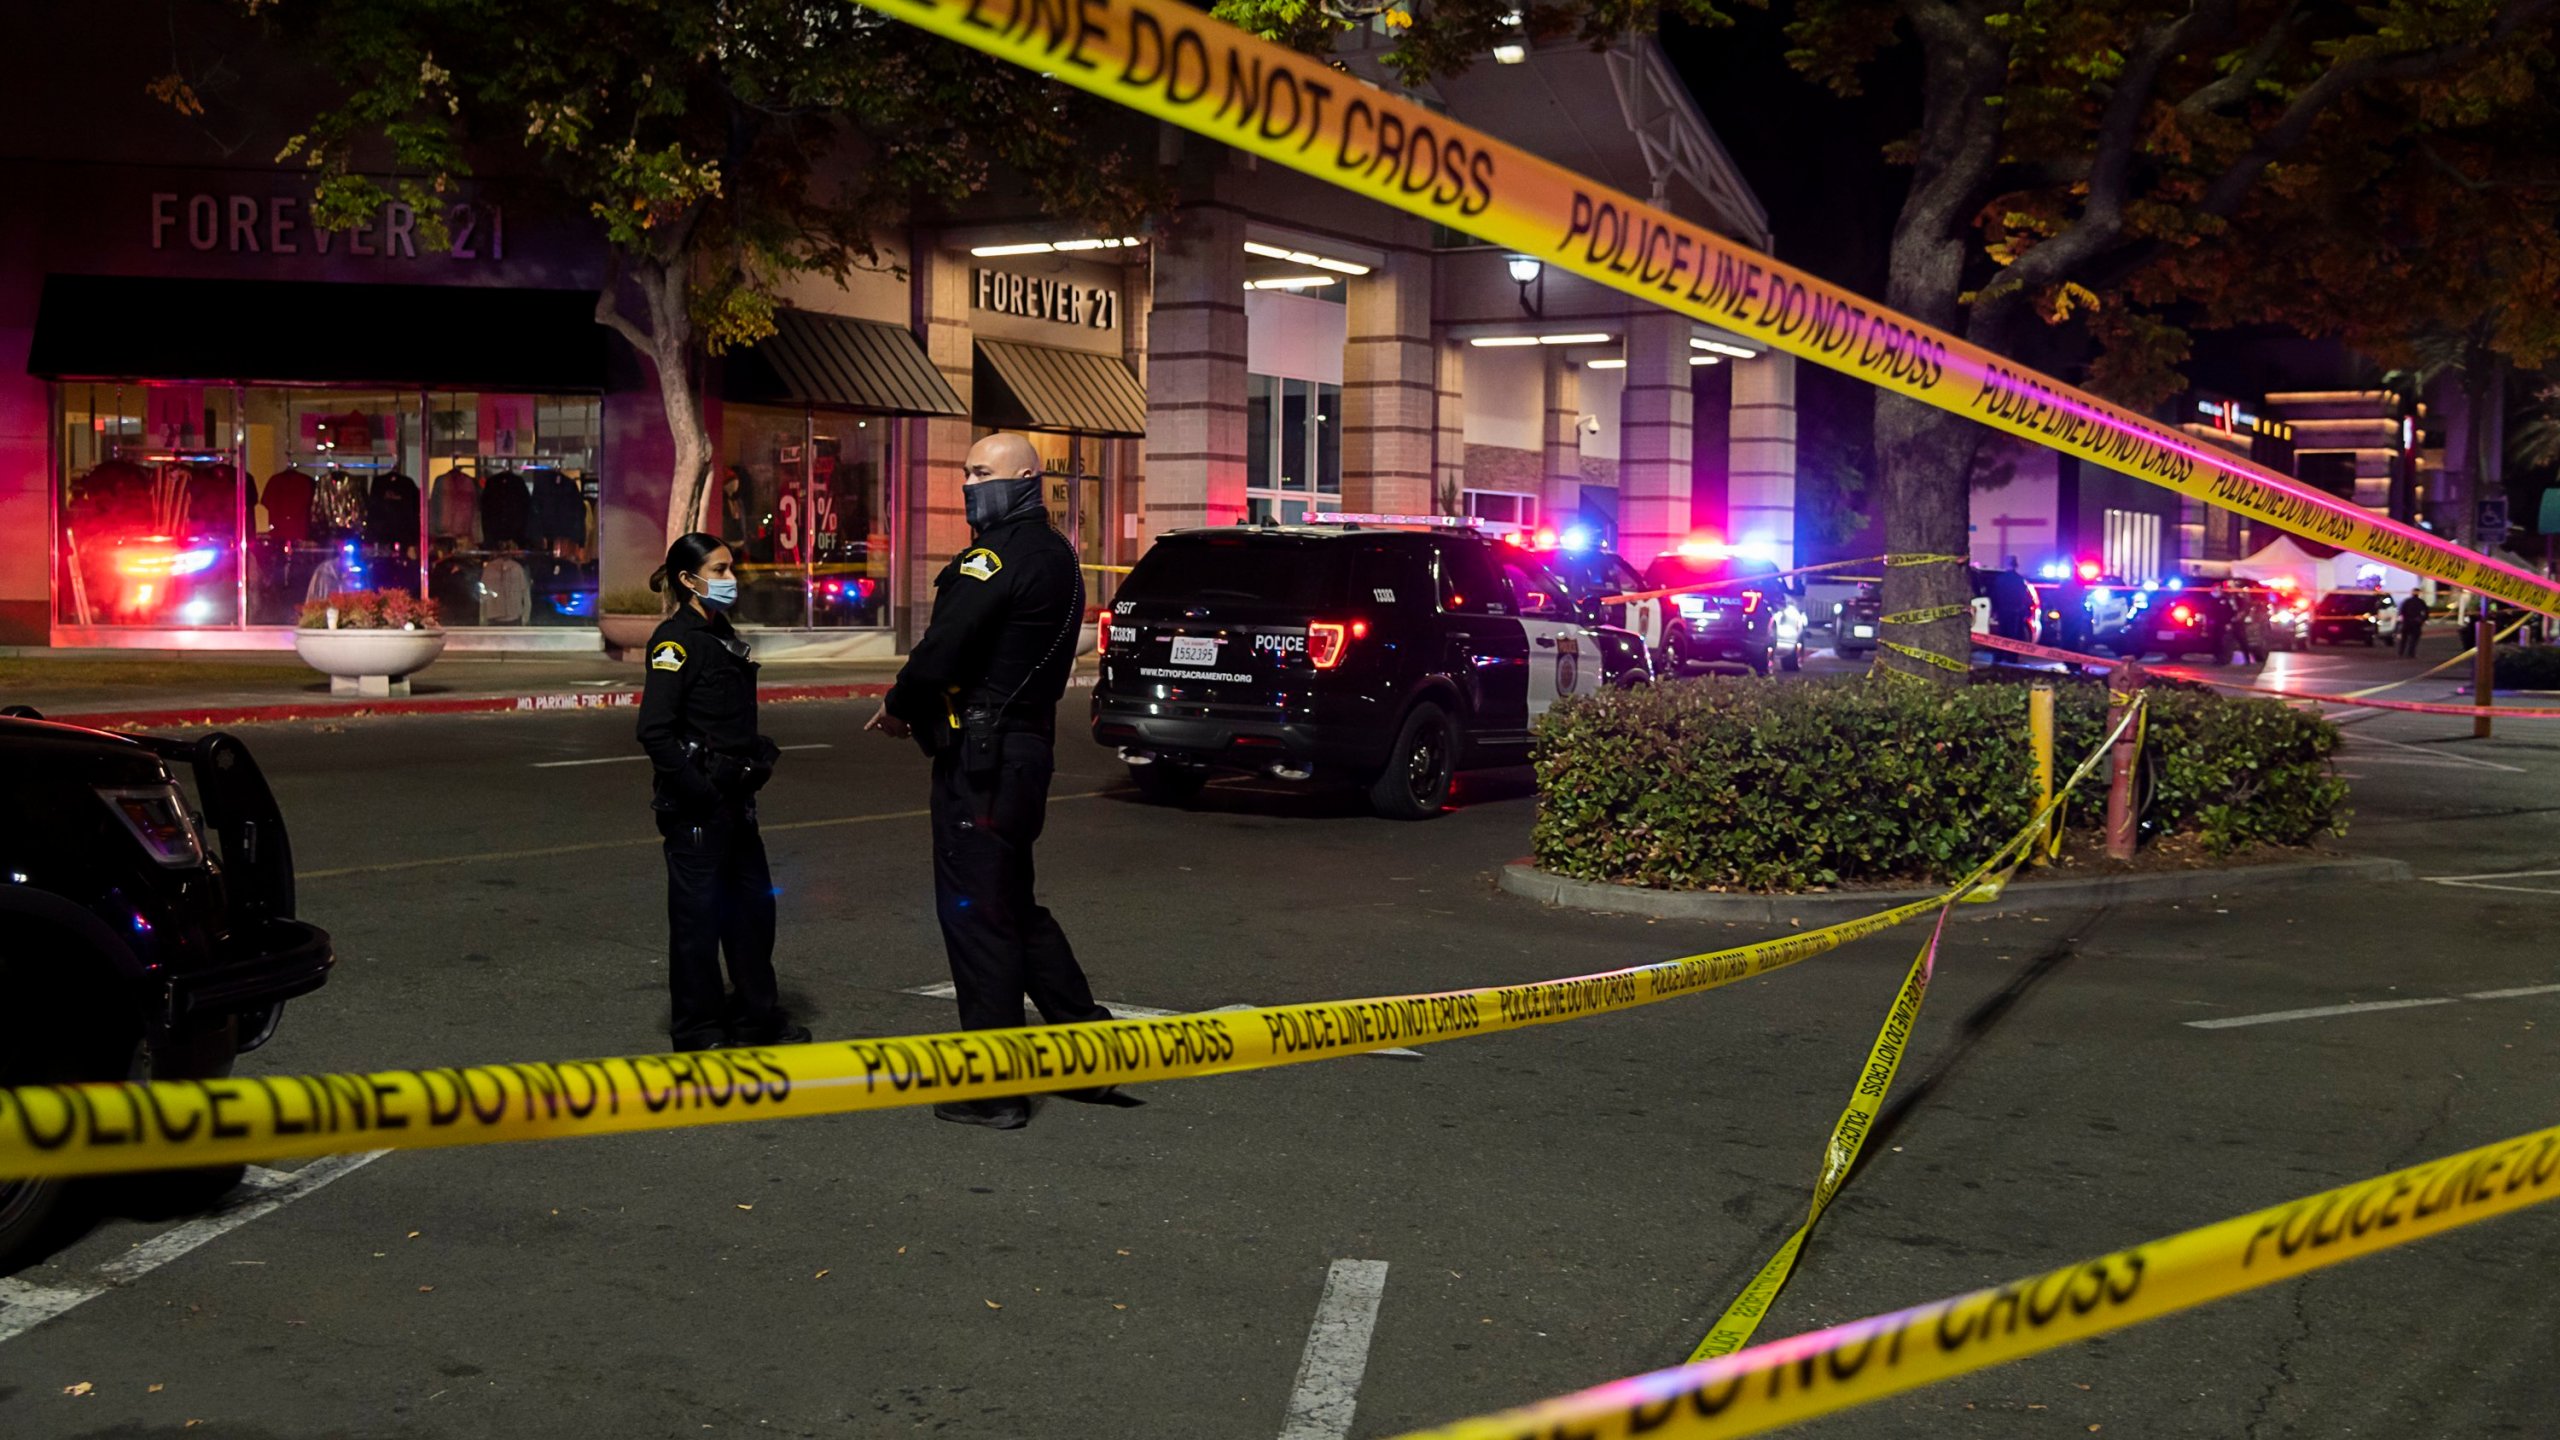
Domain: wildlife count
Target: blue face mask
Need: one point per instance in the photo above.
(720, 594)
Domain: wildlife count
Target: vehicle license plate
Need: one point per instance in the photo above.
(1190, 651)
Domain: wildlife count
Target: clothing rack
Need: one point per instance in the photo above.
(338, 462)
(170, 457)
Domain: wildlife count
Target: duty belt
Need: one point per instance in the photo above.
(1038, 720)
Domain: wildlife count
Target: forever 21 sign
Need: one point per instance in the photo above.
(1033, 298)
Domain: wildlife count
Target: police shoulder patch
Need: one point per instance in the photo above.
(666, 655)
(981, 564)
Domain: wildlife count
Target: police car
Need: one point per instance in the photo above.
(1733, 611)
(1387, 651)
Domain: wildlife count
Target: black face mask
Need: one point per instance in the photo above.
(992, 501)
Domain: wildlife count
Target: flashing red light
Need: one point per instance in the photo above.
(2183, 614)
(1750, 602)
(1329, 640)
(2090, 570)
(1513, 539)
(1547, 540)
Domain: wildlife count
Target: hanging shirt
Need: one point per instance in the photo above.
(559, 507)
(453, 507)
(391, 511)
(287, 497)
(213, 500)
(337, 504)
(505, 597)
(506, 511)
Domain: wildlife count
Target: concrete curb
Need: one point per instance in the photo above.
(1530, 883)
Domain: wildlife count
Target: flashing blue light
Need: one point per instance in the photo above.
(1577, 537)
(191, 562)
(2102, 594)
(1756, 550)
(2177, 583)
(2150, 585)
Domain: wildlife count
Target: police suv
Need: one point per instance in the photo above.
(1733, 612)
(1388, 651)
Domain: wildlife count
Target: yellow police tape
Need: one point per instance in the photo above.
(1734, 1328)
(1168, 59)
(1786, 1381)
(96, 1128)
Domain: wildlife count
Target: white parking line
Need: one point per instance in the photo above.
(2459, 759)
(261, 1192)
(636, 759)
(1337, 1353)
(2322, 1012)
(2482, 882)
(1122, 1010)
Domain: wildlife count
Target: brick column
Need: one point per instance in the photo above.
(1449, 437)
(937, 523)
(1390, 389)
(1562, 442)
(1654, 415)
(1761, 485)
(1195, 375)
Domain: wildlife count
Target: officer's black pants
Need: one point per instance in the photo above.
(2408, 640)
(719, 897)
(1003, 945)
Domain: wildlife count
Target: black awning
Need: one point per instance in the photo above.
(1040, 387)
(113, 327)
(834, 361)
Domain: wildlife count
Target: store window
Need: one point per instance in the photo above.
(511, 498)
(1077, 472)
(214, 506)
(1293, 447)
(150, 505)
(803, 501)
(2130, 546)
(1503, 509)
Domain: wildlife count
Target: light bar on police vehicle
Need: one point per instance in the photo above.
(1348, 517)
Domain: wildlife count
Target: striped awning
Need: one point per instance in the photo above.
(839, 363)
(1041, 387)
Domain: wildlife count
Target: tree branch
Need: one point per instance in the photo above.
(609, 310)
(2243, 80)
(2224, 195)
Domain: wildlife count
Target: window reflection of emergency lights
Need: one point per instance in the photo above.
(1721, 348)
(1303, 257)
(1294, 282)
(1492, 342)
(1052, 247)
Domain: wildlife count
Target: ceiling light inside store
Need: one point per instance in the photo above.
(1489, 342)
(1706, 359)
(1604, 364)
(1301, 257)
(1293, 282)
(1575, 339)
(1721, 348)
(1052, 247)
(1510, 54)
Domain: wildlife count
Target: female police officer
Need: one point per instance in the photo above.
(698, 723)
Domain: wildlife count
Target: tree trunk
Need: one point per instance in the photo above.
(1925, 454)
(664, 288)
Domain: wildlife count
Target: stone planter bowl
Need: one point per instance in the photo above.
(368, 662)
(624, 635)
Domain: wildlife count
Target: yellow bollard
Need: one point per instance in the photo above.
(2040, 734)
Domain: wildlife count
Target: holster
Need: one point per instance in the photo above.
(981, 740)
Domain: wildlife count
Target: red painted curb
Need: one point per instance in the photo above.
(317, 708)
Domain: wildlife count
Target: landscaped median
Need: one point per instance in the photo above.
(1848, 788)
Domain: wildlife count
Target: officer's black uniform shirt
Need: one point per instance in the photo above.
(701, 688)
(1004, 617)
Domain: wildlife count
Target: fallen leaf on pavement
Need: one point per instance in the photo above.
(1119, 1252)
(902, 1249)
(2078, 1386)
(993, 1305)
(746, 1207)
(84, 1387)
(156, 1389)
(426, 1289)
(1119, 1307)
(414, 1234)
(821, 1275)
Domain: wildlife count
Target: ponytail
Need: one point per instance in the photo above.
(684, 557)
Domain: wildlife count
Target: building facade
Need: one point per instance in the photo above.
(214, 413)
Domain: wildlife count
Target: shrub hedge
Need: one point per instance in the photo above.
(2528, 668)
(1745, 785)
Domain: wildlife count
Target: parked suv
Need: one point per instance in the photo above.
(135, 949)
(2349, 617)
(1389, 658)
(1747, 618)
(1857, 621)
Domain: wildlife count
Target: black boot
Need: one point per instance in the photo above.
(1010, 1113)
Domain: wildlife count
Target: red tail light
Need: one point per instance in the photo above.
(1102, 637)
(1329, 640)
(2182, 614)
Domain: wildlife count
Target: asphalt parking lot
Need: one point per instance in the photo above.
(1495, 1221)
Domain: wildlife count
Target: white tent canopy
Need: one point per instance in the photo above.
(2317, 570)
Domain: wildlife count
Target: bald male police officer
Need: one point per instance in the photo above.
(980, 692)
